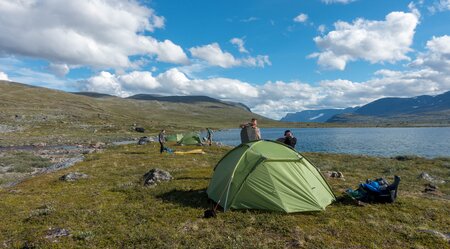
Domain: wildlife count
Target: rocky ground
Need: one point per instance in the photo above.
(21, 162)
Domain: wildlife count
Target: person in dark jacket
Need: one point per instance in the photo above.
(289, 139)
(209, 135)
(162, 140)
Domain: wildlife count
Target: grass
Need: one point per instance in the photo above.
(23, 162)
(112, 208)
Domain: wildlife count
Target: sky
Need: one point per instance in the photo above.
(274, 56)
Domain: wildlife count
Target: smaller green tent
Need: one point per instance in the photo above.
(174, 137)
(271, 176)
(190, 139)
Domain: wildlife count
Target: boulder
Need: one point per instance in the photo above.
(53, 233)
(425, 176)
(154, 176)
(143, 140)
(429, 187)
(97, 145)
(73, 176)
(139, 129)
(335, 174)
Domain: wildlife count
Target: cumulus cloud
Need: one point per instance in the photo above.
(302, 17)
(215, 56)
(84, 32)
(171, 82)
(59, 69)
(321, 28)
(3, 76)
(438, 6)
(373, 41)
(239, 44)
(338, 1)
(250, 19)
(437, 57)
(429, 74)
(275, 99)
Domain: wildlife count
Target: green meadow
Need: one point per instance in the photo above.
(113, 209)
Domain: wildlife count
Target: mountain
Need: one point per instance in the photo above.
(423, 109)
(189, 99)
(319, 116)
(401, 106)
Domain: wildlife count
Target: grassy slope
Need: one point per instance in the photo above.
(51, 116)
(112, 209)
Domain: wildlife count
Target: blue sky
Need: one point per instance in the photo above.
(275, 56)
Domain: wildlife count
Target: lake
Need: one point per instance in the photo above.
(425, 142)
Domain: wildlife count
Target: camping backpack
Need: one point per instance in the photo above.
(248, 134)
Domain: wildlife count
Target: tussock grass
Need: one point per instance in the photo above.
(112, 208)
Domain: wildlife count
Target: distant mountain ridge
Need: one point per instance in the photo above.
(402, 106)
(94, 94)
(319, 116)
(189, 99)
(422, 108)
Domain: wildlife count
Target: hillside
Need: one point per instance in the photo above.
(34, 114)
(186, 99)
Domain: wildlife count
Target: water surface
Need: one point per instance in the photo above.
(425, 142)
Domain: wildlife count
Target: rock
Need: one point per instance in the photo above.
(335, 174)
(403, 158)
(39, 144)
(97, 145)
(429, 187)
(144, 140)
(155, 176)
(73, 176)
(139, 129)
(444, 236)
(53, 233)
(425, 176)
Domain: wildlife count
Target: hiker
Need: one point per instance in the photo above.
(289, 139)
(209, 136)
(250, 131)
(162, 140)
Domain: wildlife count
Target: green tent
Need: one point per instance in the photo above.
(190, 139)
(268, 175)
(174, 137)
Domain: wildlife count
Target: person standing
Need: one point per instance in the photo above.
(250, 131)
(209, 136)
(162, 140)
(289, 139)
